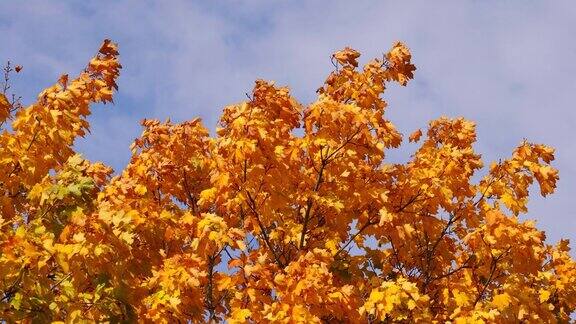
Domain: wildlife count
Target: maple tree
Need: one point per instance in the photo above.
(259, 224)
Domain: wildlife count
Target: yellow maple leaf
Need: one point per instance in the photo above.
(4, 107)
(347, 56)
(544, 295)
(501, 301)
(415, 136)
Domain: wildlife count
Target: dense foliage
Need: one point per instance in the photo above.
(290, 214)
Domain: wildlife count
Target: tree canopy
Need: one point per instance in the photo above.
(289, 214)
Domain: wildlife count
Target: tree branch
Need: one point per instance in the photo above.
(252, 206)
(371, 222)
(309, 204)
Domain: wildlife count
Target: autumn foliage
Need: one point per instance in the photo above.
(289, 214)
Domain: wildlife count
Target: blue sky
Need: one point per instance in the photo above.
(508, 65)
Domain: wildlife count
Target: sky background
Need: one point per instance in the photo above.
(508, 65)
